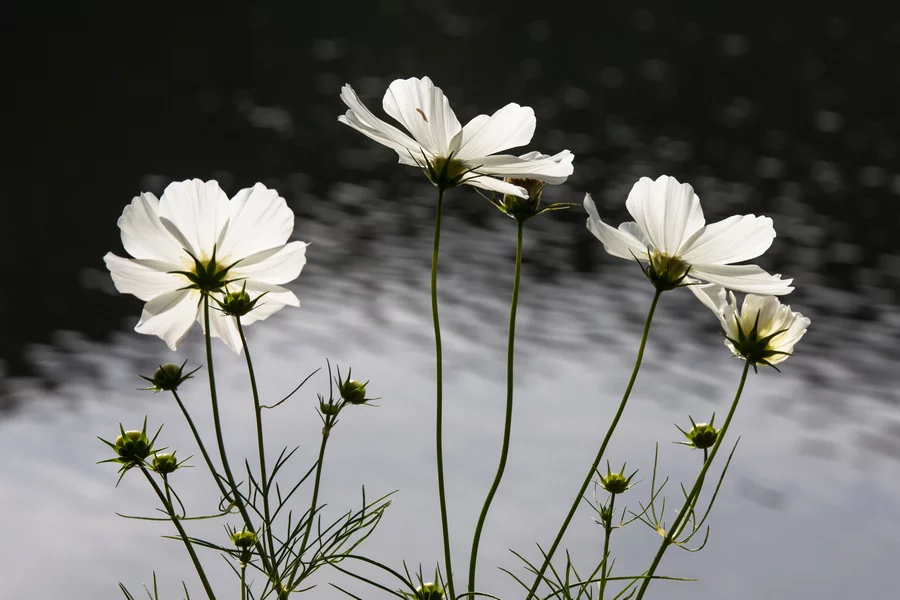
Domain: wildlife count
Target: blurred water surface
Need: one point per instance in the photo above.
(790, 116)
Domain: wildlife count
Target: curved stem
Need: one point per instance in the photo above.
(607, 526)
(214, 399)
(507, 429)
(184, 536)
(690, 501)
(609, 432)
(263, 476)
(203, 451)
(439, 418)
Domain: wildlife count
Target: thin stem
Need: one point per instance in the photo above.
(184, 536)
(214, 398)
(607, 526)
(507, 429)
(689, 502)
(203, 451)
(609, 433)
(439, 418)
(243, 581)
(326, 431)
(263, 476)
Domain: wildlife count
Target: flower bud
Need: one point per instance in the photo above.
(614, 483)
(429, 591)
(702, 435)
(243, 539)
(168, 377)
(238, 304)
(165, 463)
(329, 409)
(353, 391)
(133, 446)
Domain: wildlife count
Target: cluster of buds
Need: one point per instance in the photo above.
(350, 391)
(132, 448)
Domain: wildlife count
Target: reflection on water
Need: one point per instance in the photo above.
(790, 116)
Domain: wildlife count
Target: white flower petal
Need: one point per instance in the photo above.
(493, 184)
(534, 165)
(669, 212)
(140, 279)
(383, 133)
(196, 213)
(711, 295)
(260, 219)
(424, 110)
(743, 278)
(617, 242)
(170, 316)
(731, 240)
(275, 266)
(221, 326)
(144, 236)
(510, 127)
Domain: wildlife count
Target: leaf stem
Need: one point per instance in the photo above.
(507, 429)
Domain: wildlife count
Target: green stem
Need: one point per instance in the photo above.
(203, 451)
(439, 418)
(689, 502)
(507, 429)
(326, 431)
(243, 581)
(607, 526)
(263, 476)
(184, 536)
(609, 432)
(214, 398)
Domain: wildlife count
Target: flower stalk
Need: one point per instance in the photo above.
(600, 452)
(669, 537)
(507, 428)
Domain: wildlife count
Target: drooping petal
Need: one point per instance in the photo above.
(737, 238)
(534, 165)
(140, 279)
(618, 242)
(493, 184)
(195, 213)
(668, 211)
(275, 266)
(424, 110)
(510, 127)
(361, 119)
(711, 295)
(144, 236)
(743, 278)
(170, 316)
(260, 219)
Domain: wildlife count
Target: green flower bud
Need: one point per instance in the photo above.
(614, 483)
(429, 591)
(133, 446)
(238, 304)
(243, 539)
(353, 391)
(700, 435)
(328, 409)
(165, 463)
(168, 377)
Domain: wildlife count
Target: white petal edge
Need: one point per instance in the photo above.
(534, 165)
(170, 316)
(486, 182)
(138, 279)
(735, 239)
(144, 236)
(260, 219)
(274, 266)
(361, 119)
(667, 211)
(424, 110)
(617, 242)
(743, 278)
(509, 127)
(195, 212)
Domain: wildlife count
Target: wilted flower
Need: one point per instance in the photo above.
(450, 153)
(763, 331)
(194, 242)
(670, 233)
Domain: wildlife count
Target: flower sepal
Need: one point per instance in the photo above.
(753, 348)
(522, 209)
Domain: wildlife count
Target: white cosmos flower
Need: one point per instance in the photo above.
(196, 220)
(670, 233)
(763, 331)
(436, 140)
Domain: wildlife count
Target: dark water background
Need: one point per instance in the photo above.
(789, 112)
